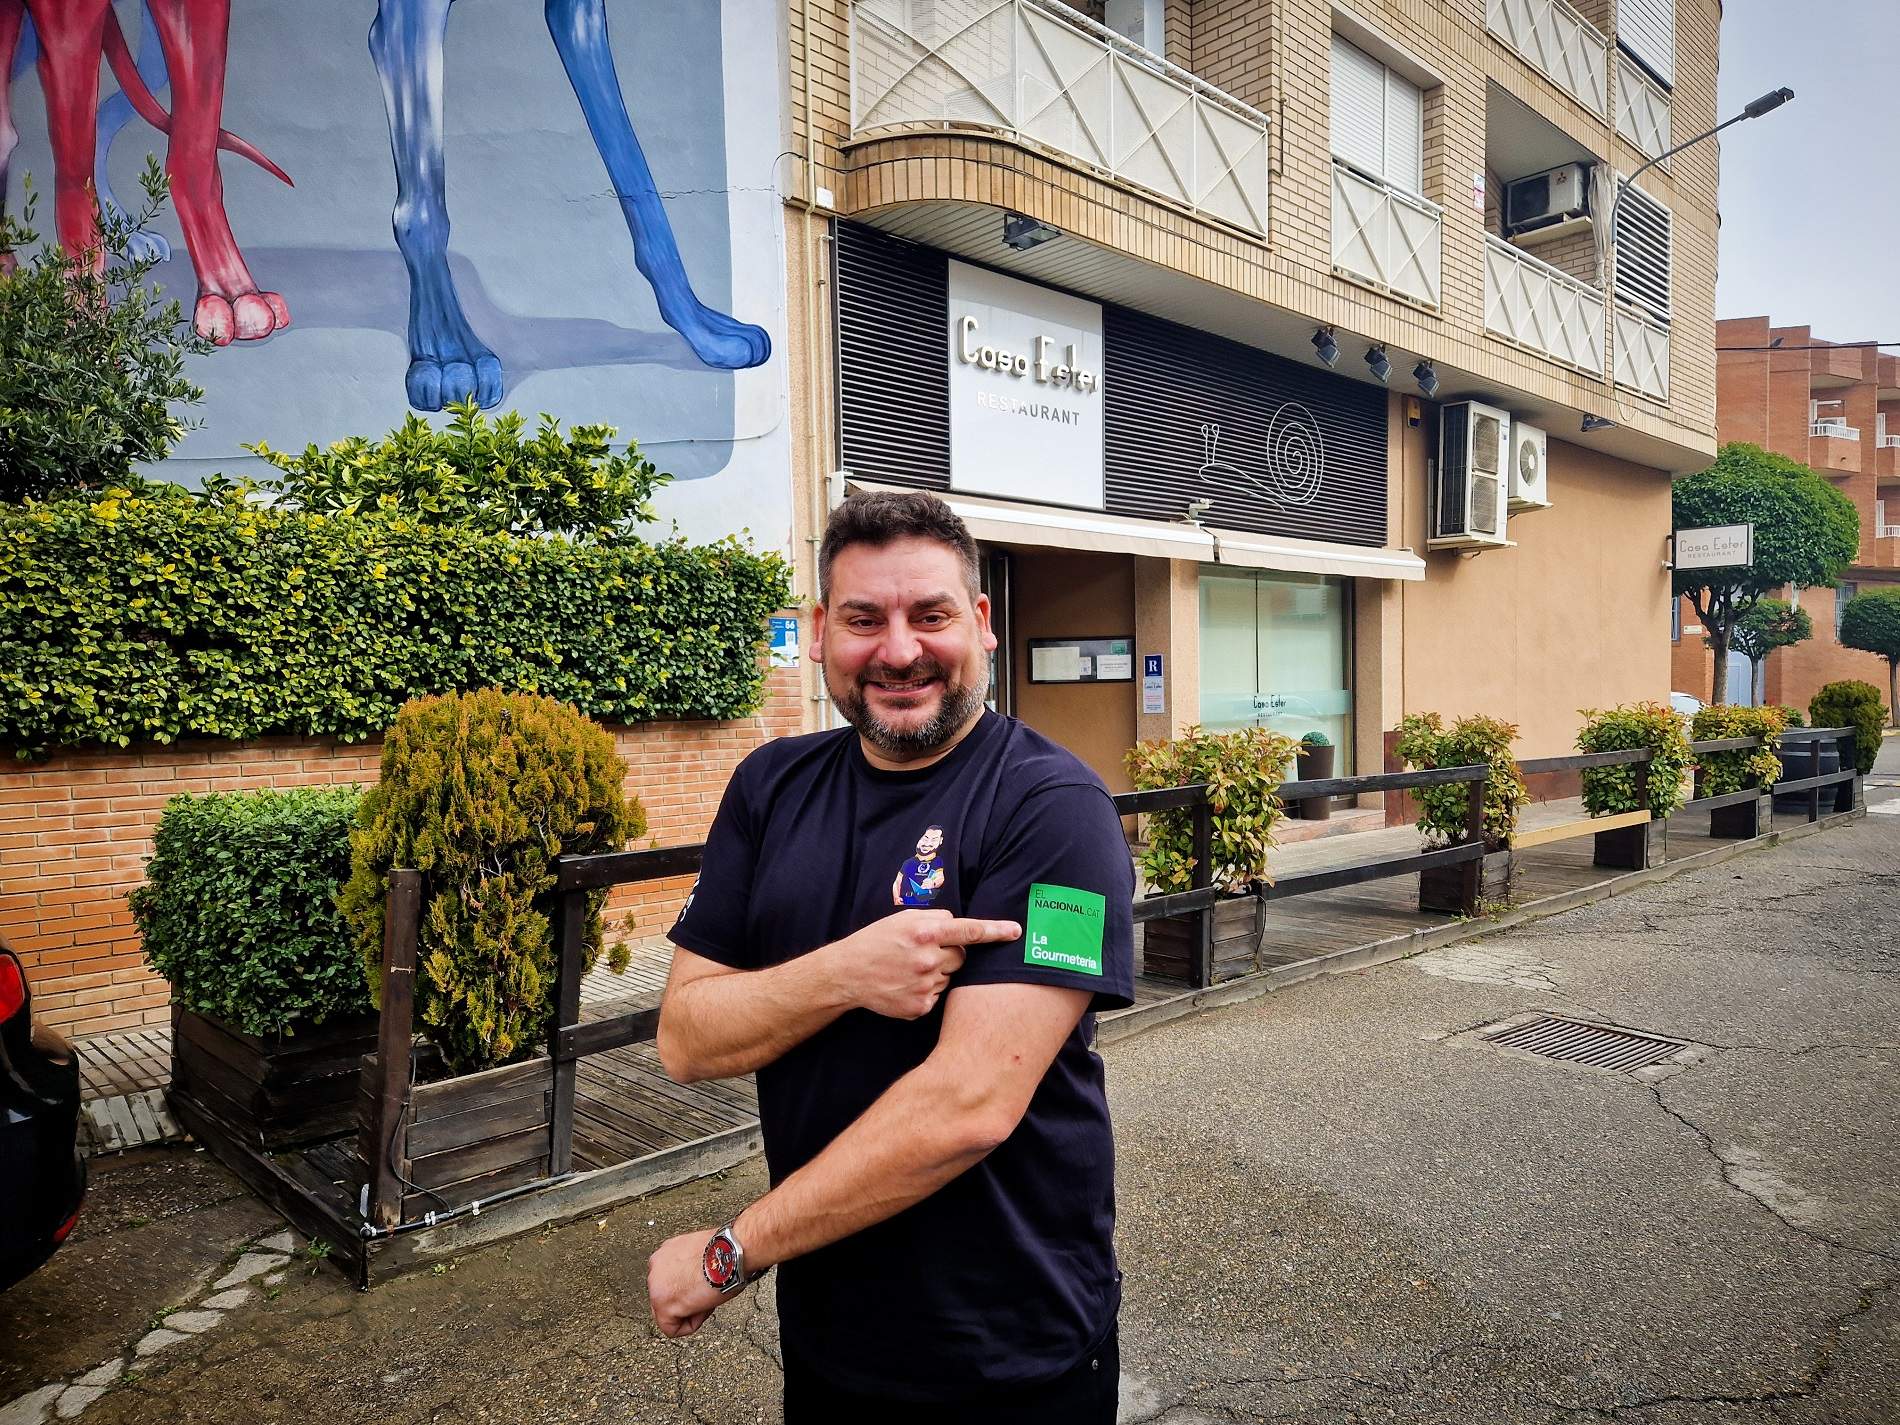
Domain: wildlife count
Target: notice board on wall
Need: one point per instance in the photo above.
(1082, 660)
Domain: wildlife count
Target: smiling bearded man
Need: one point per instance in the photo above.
(936, 1130)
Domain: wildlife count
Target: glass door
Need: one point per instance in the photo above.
(994, 568)
(1276, 652)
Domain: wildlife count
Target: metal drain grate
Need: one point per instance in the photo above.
(1593, 1044)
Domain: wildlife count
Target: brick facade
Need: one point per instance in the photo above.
(76, 830)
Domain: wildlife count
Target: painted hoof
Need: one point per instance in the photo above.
(433, 384)
(251, 317)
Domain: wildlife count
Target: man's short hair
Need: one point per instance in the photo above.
(882, 517)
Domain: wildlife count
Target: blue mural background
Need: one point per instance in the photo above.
(539, 247)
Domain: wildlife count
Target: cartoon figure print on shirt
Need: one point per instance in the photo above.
(922, 876)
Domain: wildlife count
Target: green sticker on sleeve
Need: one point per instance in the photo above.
(1065, 928)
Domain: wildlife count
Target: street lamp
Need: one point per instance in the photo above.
(1768, 103)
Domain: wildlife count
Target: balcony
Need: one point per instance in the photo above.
(1385, 236)
(1834, 430)
(1641, 356)
(1044, 75)
(1531, 303)
(1834, 445)
(1556, 39)
(1642, 108)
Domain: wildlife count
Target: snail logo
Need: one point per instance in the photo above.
(1296, 457)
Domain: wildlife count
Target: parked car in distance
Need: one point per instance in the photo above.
(42, 1176)
(1688, 704)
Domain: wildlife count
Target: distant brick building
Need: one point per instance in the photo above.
(1836, 409)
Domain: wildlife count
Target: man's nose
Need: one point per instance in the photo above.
(901, 646)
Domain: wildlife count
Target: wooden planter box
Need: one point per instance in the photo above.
(270, 1093)
(1168, 944)
(1740, 823)
(465, 1137)
(1630, 848)
(1443, 887)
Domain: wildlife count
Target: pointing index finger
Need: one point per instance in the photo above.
(963, 931)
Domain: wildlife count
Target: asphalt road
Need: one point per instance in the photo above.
(1338, 1204)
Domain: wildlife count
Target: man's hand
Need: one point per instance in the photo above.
(681, 1296)
(899, 966)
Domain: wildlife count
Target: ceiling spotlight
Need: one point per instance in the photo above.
(1324, 347)
(1023, 233)
(1376, 360)
(1591, 423)
(1427, 377)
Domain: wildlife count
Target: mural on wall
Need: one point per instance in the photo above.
(539, 125)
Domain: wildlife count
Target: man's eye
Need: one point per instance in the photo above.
(933, 620)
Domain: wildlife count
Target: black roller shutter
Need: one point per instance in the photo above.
(893, 359)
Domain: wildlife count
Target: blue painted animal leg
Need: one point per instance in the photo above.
(579, 28)
(446, 360)
(114, 115)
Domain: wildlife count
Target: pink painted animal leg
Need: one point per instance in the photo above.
(12, 13)
(194, 34)
(72, 37)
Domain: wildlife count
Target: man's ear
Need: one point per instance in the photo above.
(988, 634)
(817, 650)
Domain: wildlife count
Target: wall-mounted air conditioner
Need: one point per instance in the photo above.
(1543, 200)
(1470, 486)
(1530, 482)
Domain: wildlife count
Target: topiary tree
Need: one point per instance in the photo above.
(1425, 742)
(480, 792)
(1771, 624)
(1806, 532)
(1871, 623)
(1852, 703)
(92, 360)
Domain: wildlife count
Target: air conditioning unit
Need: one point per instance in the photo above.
(1530, 483)
(1543, 200)
(1470, 487)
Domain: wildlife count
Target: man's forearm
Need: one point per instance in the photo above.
(721, 1026)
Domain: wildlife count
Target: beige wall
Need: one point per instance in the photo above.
(1576, 616)
(1059, 594)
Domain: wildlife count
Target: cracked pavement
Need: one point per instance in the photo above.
(1338, 1205)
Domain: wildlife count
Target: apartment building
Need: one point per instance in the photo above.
(1276, 350)
(1832, 408)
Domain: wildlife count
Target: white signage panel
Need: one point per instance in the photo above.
(1025, 390)
(1719, 546)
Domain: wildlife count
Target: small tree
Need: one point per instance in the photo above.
(1806, 532)
(1771, 624)
(1871, 623)
(92, 360)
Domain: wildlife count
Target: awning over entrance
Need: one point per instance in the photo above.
(1049, 527)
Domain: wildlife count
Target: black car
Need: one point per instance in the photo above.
(42, 1176)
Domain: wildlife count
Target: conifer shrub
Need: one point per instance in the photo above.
(1852, 703)
(480, 792)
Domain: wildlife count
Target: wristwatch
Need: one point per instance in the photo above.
(724, 1262)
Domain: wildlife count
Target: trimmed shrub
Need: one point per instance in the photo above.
(1790, 715)
(1719, 773)
(1608, 791)
(238, 910)
(1242, 770)
(480, 792)
(150, 614)
(1852, 703)
(1425, 742)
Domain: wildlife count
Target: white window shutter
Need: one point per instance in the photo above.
(1644, 237)
(1647, 29)
(1358, 108)
(1404, 133)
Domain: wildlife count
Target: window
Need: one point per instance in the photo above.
(1843, 595)
(1142, 22)
(1675, 620)
(1644, 240)
(1646, 31)
(1378, 119)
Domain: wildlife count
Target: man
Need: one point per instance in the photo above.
(936, 1131)
(916, 884)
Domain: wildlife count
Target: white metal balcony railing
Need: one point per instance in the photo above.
(1528, 301)
(1042, 73)
(1835, 428)
(1640, 357)
(1881, 441)
(1559, 41)
(1642, 107)
(1386, 236)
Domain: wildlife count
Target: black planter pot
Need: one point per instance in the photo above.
(1442, 888)
(1314, 764)
(1630, 848)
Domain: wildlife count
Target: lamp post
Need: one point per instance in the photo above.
(1768, 102)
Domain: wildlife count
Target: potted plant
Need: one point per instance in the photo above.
(1719, 774)
(1612, 791)
(1315, 764)
(1850, 703)
(1425, 742)
(1243, 770)
(480, 792)
(270, 1015)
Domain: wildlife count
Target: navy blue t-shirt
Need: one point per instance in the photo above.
(1006, 1276)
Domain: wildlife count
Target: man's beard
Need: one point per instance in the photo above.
(957, 703)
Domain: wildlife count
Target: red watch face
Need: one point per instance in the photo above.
(721, 1263)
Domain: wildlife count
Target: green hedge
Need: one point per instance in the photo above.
(153, 614)
(238, 909)
(1852, 703)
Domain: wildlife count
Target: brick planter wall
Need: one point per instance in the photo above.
(75, 832)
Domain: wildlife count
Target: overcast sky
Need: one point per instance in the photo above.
(1810, 203)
